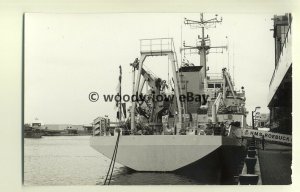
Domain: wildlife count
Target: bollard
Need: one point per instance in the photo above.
(248, 179)
(251, 153)
(251, 147)
(253, 143)
(250, 163)
(236, 179)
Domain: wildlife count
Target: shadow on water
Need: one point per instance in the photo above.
(127, 176)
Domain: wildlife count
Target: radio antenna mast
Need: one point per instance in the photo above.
(203, 45)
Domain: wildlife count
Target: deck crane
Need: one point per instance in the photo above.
(155, 108)
(222, 95)
(154, 48)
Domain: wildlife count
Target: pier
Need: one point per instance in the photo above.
(272, 165)
(275, 164)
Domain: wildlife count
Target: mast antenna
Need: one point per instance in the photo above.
(233, 65)
(203, 44)
(228, 64)
(181, 62)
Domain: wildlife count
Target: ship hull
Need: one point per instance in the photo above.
(219, 167)
(162, 152)
(33, 135)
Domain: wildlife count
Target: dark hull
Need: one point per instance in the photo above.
(33, 135)
(219, 167)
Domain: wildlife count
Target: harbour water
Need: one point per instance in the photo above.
(69, 160)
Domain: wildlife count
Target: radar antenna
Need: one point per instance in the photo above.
(203, 45)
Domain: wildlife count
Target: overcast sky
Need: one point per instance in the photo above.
(67, 56)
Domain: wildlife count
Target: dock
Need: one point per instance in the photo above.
(272, 165)
(275, 164)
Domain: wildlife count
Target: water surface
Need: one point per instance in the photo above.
(69, 160)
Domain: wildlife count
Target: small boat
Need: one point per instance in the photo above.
(33, 131)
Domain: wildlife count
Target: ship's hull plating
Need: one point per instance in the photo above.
(160, 152)
(33, 135)
(219, 167)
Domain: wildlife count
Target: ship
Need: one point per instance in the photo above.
(189, 124)
(33, 130)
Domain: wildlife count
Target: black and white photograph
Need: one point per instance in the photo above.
(198, 98)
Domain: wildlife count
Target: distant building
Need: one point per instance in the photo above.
(56, 127)
(101, 126)
(262, 120)
(68, 129)
(88, 129)
(280, 87)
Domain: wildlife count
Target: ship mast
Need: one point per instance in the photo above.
(204, 47)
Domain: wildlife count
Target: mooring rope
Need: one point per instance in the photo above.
(112, 162)
(117, 145)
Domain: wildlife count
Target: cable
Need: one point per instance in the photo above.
(112, 162)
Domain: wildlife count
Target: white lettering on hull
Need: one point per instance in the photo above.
(268, 135)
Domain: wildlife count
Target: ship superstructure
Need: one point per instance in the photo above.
(174, 124)
(194, 98)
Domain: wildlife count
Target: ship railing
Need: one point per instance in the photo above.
(214, 76)
(213, 129)
(240, 94)
(157, 45)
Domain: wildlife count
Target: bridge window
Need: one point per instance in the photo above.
(210, 85)
(217, 85)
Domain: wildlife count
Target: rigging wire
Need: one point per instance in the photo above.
(233, 64)
(117, 145)
(181, 44)
(168, 71)
(228, 65)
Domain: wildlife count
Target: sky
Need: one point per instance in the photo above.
(67, 56)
